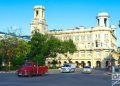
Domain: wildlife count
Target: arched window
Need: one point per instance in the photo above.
(37, 12)
(98, 22)
(105, 22)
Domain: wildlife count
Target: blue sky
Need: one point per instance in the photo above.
(60, 14)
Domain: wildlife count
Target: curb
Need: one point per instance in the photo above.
(1, 72)
(108, 73)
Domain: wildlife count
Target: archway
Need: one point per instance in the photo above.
(89, 63)
(71, 62)
(83, 64)
(77, 64)
(48, 62)
(107, 63)
(65, 62)
(98, 64)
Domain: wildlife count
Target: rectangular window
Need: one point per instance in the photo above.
(99, 36)
(88, 46)
(83, 54)
(106, 53)
(89, 53)
(76, 38)
(65, 38)
(106, 36)
(77, 55)
(89, 37)
(96, 42)
(83, 38)
(98, 53)
(96, 35)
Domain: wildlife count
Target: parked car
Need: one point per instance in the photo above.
(87, 69)
(68, 68)
(30, 69)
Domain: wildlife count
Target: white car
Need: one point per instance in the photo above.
(87, 69)
(68, 68)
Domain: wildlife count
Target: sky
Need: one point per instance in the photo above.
(60, 14)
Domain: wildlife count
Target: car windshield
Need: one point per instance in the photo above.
(66, 65)
(27, 64)
(86, 67)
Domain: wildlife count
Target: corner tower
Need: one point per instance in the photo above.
(39, 22)
(103, 19)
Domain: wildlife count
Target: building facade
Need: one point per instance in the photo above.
(94, 45)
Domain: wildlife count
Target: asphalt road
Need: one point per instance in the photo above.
(55, 78)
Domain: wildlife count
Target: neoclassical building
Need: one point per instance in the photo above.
(94, 44)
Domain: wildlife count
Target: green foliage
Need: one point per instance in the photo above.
(39, 59)
(0, 60)
(22, 49)
(40, 47)
(18, 61)
(13, 50)
(7, 48)
(43, 46)
(53, 46)
(37, 42)
(68, 46)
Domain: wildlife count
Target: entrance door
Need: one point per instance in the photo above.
(98, 64)
(89, 63)
(83, 64)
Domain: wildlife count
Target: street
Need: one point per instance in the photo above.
(55, 78)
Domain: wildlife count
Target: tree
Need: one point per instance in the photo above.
(12, 49)
(39, 59)
(44, 45)
(68, 47)
(54, 46)
(8, 45)
(21, 51)
(49, 46)
(38, 48)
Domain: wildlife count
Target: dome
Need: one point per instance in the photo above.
(38, 7)
(103, 14)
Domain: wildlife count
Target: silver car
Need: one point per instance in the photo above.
(87, 69)
(68, 68)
